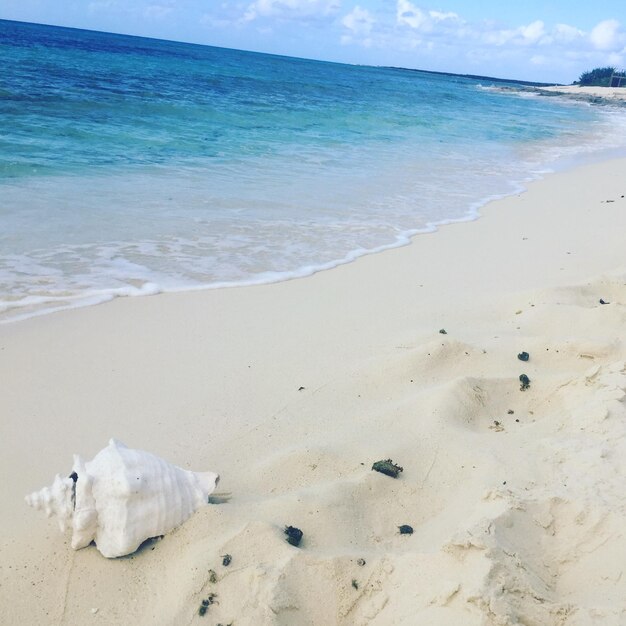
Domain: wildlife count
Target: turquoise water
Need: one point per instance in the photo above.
(130, 166)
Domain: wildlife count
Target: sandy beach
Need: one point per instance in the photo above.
(610, 95)
(292, 391)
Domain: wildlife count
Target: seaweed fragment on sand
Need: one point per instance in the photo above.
(294, 535)
(604, 301)
(355, 584)
(523, 356)
(387, 467)
(405, 529)
(525, 382)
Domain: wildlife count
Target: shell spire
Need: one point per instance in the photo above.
(54, 500)
(122, 497)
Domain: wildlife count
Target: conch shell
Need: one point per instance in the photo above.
(123, 497)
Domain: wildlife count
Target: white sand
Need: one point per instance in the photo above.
(517, 523)
(614, 94)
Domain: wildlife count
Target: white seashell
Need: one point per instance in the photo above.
(123, 497)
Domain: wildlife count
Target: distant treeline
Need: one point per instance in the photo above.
(598, 77)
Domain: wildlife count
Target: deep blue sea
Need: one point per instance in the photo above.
(130, 166)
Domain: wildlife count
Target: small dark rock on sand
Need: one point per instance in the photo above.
(443, 331)
(294, 535)
(525, 382)
(226, 559)
(206, 603)
(523, 356)
(510, 411)
(388, 467)
(405, 529)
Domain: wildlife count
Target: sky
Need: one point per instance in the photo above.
(536, 40)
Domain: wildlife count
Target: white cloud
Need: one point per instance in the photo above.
(290, 9)
(566, 33)
(606, 35)
(438, 16)
(410, 15)
(533, 32)
(359, 21)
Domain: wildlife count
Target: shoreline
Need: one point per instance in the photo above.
(597, 95)
(13, 312)
(211, 380)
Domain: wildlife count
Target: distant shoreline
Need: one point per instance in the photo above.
(493, 79)
(598, 95)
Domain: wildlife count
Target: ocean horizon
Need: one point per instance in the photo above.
(132, 166)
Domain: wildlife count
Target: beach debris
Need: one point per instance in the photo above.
(355, 584)
(523, 356)
(123, 497)
(226, 559)
(206, 603)
(497, 426)
(294, 535)
(388, 467)
(603, 301)
(301, 388)
(212, 576)
(405, 529)
(510, 411)
(525, 382)
(443, 331)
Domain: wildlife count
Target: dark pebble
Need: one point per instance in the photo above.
(525, 382)
(405, 529)
(294, 535)
(523, 356)
(388, 467)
